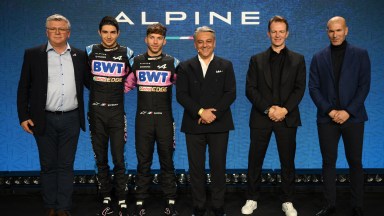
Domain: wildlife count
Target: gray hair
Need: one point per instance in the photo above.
(203, 29)
(58, 17)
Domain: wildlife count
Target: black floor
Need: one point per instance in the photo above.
(308, 200)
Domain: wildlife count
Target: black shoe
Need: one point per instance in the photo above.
(219, 212)
(170, 210)
(198, 212)
(139, 209)
(123, 211)
(105, 209)
(326, 211)
(357, 212)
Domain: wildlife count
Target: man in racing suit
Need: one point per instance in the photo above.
(110, 66)
(153, 75)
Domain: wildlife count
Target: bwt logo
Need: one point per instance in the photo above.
(112, 68)
(247, 18)
(153, 77)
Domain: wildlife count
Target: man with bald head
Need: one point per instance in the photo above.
(339, 82)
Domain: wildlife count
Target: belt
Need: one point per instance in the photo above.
(61, 112)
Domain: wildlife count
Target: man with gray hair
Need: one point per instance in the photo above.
(50, 106)
(206, 87)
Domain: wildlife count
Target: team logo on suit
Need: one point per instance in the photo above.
(108, 68)
(153, 77)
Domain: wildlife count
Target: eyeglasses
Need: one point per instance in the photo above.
(61, 30)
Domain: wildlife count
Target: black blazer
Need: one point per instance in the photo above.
(259, 88)
(33, 84)
(217, 90)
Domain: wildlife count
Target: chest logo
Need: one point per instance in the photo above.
(164, 66)
(108, 68)
(153, 78)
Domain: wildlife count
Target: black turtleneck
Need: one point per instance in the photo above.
(276, 61)
(338, 53)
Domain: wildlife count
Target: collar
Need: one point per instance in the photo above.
(202, 60)
(109, 49)
(50, 47)
(153, 58)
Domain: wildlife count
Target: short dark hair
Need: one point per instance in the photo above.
(277, 19)
(108, 20)
(157, 28)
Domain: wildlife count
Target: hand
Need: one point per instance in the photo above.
(25, 125)
(341, 116)
(277, 113)
(201, 121)
(207, 116)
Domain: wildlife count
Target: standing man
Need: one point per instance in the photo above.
(154, 74)
(206, 87)
(275, 86)
(339, 82)
(110, 66)
(50, 106)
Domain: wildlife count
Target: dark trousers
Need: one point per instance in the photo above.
(286, 146)
(109, 124)
(329, 136)
(150, 128)
(217, 148)
(57, 149)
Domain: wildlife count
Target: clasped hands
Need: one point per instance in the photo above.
(277, 113)
(339, 116)
(207, 116)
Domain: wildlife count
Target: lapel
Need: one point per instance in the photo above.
(328, 63)
(211, 71)
(267, 67)
(43, 58)
(75, 62)
(196, 69)
(347, 58)
(286, 70)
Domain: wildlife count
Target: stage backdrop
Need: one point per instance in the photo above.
(241, 28)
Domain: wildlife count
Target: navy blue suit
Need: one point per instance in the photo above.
(353, 85)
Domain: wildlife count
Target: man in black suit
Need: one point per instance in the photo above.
(339, 82)
(206, 88)
(50, 106)
(275, 86)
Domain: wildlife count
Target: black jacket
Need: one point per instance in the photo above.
(259, 88)
(217, 90)
(33, 83)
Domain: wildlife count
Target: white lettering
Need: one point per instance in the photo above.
(168, 18)
(124, 18)
(245, 17)
(213, 14)
(197, 18)
(144, 19)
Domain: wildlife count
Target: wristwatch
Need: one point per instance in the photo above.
(266, 111)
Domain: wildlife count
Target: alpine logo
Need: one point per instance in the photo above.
(117, 58)
(164, 66)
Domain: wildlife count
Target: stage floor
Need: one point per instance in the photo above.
(308, 201)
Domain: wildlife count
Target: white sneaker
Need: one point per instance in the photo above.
(289, 209)
(249, 207)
